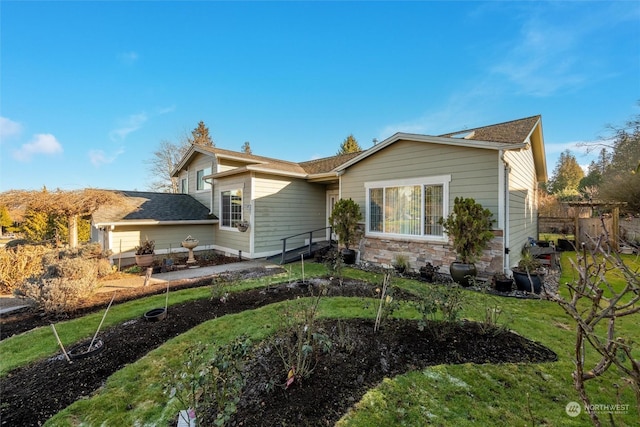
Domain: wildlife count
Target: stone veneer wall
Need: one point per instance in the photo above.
(382, 251)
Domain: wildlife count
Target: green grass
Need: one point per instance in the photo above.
(460, 395)
(40, 343)
(553, 237)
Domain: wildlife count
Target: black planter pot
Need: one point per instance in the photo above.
(155, 315)
(82, 350)
(463, 273)
(503, 285)
(566, 245)
(348, 256)
(524, 284)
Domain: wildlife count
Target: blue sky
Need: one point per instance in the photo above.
(88, 90)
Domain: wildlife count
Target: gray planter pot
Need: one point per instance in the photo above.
(144, 260)
(463, 273)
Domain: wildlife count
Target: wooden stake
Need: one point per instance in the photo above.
(147, 275)
(103, 316)
(166, 298)
(60, 343)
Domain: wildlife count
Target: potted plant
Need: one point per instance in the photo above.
(501, 282)
(400, 263)
(428, 272)
(529, 274)
(144, 253)
(344, 221)
(242, 226)
(469, 227)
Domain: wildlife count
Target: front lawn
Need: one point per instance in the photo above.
(469, 394)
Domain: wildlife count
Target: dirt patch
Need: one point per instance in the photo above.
(32, 394)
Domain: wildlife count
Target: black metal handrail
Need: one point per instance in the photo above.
(310, 233)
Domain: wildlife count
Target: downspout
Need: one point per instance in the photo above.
(505, 225)
(210, 194)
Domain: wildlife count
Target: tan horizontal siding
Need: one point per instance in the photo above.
(523, 211)
(284, 207)
(125, 239)
(473, 171)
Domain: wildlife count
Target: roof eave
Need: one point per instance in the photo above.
(256, 168)
(323, 177)
(155, 222)
(239, 159)
(186, 158)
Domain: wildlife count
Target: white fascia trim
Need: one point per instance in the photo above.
(253, 168)
(322, 176)
(277, 171)
(151, 222)
(239, 158)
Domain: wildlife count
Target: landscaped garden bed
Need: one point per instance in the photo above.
(358, 362)
(33, 393)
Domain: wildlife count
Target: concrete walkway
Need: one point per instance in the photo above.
(183, 274)
(9, 303)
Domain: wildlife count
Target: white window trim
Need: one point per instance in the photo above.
(206, 185)
(443, 180)
(229, 187)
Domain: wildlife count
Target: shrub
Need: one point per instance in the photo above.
(64, 277)
(211, 386)
(301, 339)
(19, 263)
(62, 285)
(448, 300)
(469, 227)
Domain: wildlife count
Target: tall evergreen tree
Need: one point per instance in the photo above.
(593, 177)
(36, 225)
(621, 179)
(5, 219)
(567, 175)
(200, 136)
(246, 148)
(349, 145)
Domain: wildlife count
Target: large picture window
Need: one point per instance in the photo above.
(407, 207)
(231, 207)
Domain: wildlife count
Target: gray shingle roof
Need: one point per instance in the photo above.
(154, 206)
(513, 132)
(327, 164)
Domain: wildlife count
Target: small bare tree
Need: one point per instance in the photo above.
(594, 312)
(164, 160)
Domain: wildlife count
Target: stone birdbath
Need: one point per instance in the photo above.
(190, 243)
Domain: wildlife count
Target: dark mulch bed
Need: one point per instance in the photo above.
(32, 394)
(342, 376)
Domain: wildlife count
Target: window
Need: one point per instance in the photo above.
(200, 182)
(231, 207)
(184, 188)
(407, 207)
